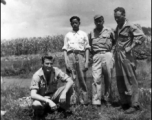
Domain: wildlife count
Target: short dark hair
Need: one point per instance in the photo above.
(47, 56)
(74, 17)
(121, 9)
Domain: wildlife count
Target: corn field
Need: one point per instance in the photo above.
(35, 45)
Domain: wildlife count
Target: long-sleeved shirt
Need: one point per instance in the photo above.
(128, 35)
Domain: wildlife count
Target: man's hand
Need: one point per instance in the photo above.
(127, 49)
(62, 97)
(67, 64)
(86, 66)
(52, 105)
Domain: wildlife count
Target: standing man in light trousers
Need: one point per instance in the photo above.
(101, 41)
(76, 52)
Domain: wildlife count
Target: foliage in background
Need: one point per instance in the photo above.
(40, 45)
(35, 45)
(143, 51)
(26, 64)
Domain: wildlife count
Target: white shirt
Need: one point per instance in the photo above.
(76, 41)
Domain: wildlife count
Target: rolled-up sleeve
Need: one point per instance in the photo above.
(138, 35)
(87, 45)
(65, 47)
(35, 82)
(61, 75)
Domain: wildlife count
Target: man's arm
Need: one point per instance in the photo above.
(87, 51)
(34, 92)
(66, 89)
(112, 37)
(65, 48)
(87, 55)
(138, 37)
(64, 77)
(68, 85)
(66, 58)
(36, 96)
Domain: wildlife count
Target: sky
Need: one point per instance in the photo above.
(40, 18)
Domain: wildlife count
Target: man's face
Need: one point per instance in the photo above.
(47, 65)
(75, 24)
(119, 17)
(99, 22)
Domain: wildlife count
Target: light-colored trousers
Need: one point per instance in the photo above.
(103, 64)
(76, 63)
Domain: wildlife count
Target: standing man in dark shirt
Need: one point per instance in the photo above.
(127, 37)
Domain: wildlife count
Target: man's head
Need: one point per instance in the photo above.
(99, 21)
(119, 15)
(47, 62)
(75, 23)
(3, 1)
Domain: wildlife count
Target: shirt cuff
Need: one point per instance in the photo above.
(34, 87)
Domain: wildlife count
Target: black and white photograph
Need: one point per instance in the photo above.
(75, 60)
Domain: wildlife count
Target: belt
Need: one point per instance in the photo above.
(119, 48)
(101, 52)
(76, 52)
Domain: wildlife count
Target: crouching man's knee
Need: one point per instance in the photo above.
(38, 108)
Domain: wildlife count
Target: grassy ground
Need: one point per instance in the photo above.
(15, 112)
(17, 86)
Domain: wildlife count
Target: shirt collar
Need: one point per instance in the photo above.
(41, 73)
(125, 24)
(78, 32)
(104, 28)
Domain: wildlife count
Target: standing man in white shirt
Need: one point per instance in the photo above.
(76, 52)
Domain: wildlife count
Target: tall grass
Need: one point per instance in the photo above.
(39, 45)
(35, 45)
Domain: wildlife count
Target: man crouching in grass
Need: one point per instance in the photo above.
(44, 90)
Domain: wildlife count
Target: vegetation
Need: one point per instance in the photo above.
(21, 57)
(35, 45)
(16, 112)
(40, 45)
(147, 31)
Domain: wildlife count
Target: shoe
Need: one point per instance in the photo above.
(97, 106)
(126, 106)
(67, 113)
(119, 108)
(123, 107)
(38, 118)
(132, 110)
(3, 113)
